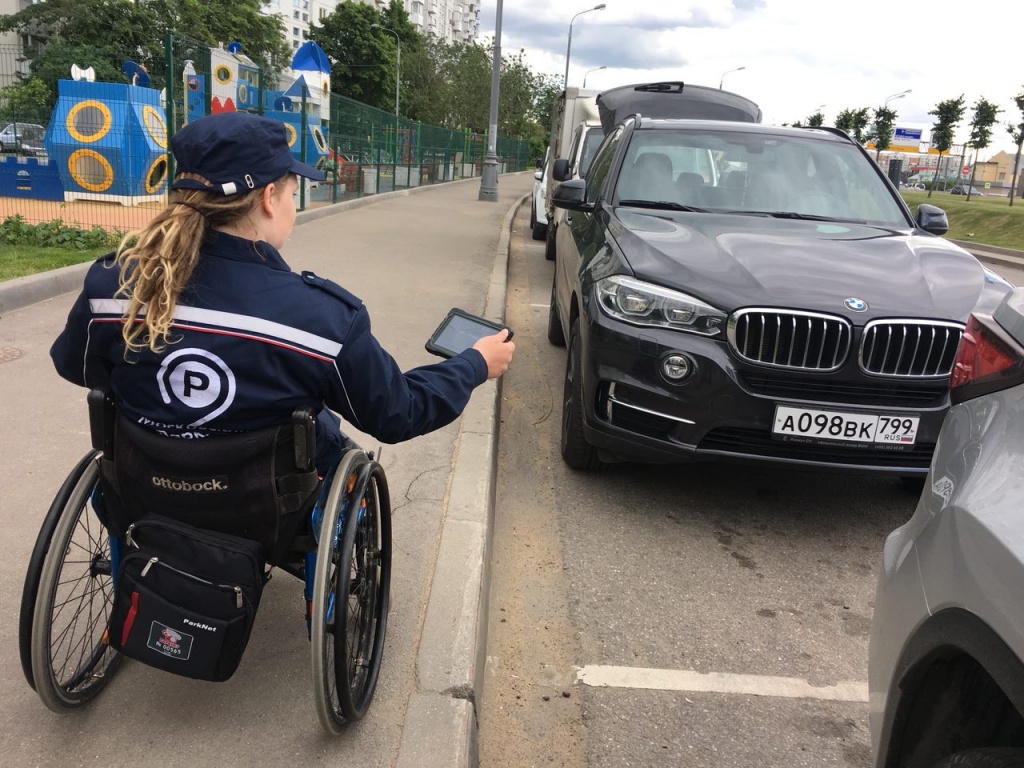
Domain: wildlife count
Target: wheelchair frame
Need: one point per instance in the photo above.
(62, 631)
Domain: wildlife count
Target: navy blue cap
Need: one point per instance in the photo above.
(237, 152)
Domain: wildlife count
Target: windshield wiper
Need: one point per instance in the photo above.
(663, 205)
(795, 215)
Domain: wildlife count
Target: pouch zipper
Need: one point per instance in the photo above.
(239, 595)
(197, 533)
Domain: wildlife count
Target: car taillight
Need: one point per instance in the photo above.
(987, 360)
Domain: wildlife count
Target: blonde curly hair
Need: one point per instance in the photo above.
(157, 261)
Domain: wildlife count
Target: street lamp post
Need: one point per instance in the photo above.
(595, 69)
(895, 96)
(489, 172)
(722, 78)
(568, 47)
(398, 62)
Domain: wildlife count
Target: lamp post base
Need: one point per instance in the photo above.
(489, 180)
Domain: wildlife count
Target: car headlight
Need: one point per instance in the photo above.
(640, 303)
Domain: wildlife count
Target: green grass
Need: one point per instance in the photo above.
(983, 220)
(21, 260)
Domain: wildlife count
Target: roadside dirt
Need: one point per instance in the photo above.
(530, 713)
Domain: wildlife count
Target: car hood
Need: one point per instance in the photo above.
(733, 261)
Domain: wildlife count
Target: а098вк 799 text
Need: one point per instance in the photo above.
(848, 427)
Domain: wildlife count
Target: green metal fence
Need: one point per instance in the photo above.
(105, 160)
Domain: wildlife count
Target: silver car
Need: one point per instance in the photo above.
(946, 674)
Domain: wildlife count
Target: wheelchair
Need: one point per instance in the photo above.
(334, 534)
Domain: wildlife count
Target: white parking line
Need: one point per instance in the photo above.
(600, 676)
(541, 306)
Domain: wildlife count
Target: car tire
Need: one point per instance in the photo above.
(556, 334)
(991, 757)
(576, 451)
(533, 217)
(540, 231)
(549, 243)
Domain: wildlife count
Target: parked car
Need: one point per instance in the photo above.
(23, 138)
(946, 655)
(732, 290)
(538, 211)
(586, 139)
(959, 189)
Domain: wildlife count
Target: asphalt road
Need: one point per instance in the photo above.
(704, 615)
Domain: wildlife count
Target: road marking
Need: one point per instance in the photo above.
(601, 676)
(541, 306)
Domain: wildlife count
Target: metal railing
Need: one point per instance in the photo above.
(105, 160)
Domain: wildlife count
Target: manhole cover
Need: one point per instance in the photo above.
(9, 353)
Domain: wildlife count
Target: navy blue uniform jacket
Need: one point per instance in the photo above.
(252, 342)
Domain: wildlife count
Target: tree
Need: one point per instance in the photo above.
(985, 115)
(854, 122)
(66, 33)
(816, 120)
(885, 125)
(363, 59)
(949, 113)
(1017, 133)
(26, 101)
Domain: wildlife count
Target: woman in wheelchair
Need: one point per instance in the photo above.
(210, 361)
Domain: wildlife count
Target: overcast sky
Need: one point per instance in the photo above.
(797, 54)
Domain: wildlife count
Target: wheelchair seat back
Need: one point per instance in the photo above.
(259, 485)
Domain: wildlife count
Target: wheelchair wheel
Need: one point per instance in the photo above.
(70, 660)
(351, 591)
(35, 564)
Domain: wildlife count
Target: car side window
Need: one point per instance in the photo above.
(574, 146)
(591, 142)
(602, 165)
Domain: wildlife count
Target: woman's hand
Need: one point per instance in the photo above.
(497, 353)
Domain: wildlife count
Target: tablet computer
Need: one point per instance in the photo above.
(459, 331)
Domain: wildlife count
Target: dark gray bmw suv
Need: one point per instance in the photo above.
(731, 290)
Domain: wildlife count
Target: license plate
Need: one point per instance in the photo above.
(828, 426)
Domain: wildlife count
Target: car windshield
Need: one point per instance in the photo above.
(785, 175)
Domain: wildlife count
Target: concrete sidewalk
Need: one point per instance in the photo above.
(410, 255)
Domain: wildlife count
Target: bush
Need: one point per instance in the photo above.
(14, 230)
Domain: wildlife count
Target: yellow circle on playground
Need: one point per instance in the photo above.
(91, 170)
(223, 73)
(156, 174)
(292, 135)
(318, 139)
(89, 120)
(155, 126)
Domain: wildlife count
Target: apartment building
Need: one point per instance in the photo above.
(449, 20)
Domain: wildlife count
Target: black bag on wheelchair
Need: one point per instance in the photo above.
(199, 520)
(186, 598)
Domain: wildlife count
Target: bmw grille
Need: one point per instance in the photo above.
(807, 341)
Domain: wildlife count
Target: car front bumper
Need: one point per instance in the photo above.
(725, 409)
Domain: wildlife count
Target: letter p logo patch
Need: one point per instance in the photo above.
(199, 380)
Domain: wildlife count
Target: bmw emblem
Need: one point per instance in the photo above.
(857, 305)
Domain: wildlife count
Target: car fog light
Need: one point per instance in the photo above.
(676, 367)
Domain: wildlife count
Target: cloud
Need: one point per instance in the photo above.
(795, 54)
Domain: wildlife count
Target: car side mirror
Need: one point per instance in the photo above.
(932, 219)
(560, 171)
(572, 196)
(538, 175)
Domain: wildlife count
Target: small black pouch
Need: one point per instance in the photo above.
(186, 598)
